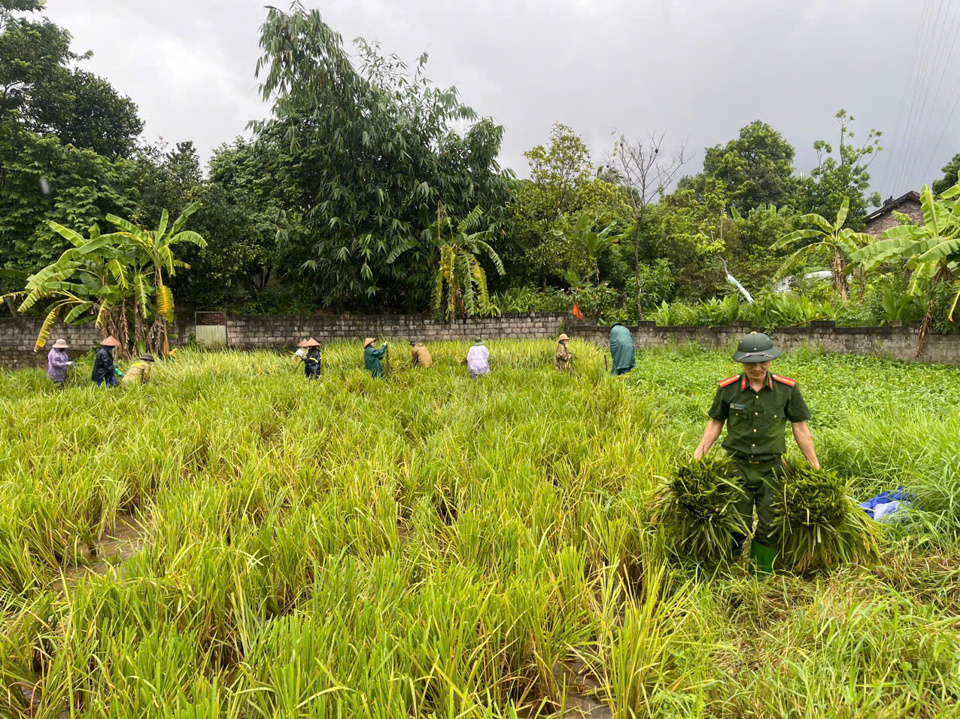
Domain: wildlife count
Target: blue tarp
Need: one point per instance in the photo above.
(886, 504)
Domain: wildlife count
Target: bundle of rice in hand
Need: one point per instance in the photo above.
(818, 526)
(697, 510)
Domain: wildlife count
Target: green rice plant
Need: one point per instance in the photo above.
(697, 510)
(818, 526)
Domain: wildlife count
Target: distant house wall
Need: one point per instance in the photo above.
(882, 220)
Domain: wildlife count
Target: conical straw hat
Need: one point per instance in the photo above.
(369, 341)
(309, 343)
(110, 342)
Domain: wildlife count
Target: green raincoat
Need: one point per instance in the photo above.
(371, 359)
(621, 349)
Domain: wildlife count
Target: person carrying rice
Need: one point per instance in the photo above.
(756, 406)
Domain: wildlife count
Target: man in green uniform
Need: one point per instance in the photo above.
(372, 356)
(621, 349)
(756, 406)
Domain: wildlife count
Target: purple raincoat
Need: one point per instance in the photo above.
(57, 364)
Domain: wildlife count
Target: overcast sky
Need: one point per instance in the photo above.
(695, 69)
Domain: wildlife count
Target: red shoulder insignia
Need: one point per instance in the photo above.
(785, 380)
(728, 381)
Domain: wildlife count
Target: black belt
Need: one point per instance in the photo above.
(763, 459)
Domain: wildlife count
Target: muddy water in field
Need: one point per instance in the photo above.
(115, 547)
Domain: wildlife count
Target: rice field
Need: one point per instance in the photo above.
(235, 541)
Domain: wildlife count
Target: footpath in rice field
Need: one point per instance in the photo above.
(233, 540)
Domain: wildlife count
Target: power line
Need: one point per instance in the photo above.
(943, 70)
(919, 92)
(946, 125)
(907, 86)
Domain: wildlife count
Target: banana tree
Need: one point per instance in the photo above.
(592, 242)
(460, 285)
(931, 251)
(88, 282)
(114, 280)
(831, 241)
(153, 260)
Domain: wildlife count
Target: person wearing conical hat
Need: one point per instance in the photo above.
(755, 406)
(104, 371)
(419, 355)
(563, 359)
(372, 356)
(58, 362)
(478, 359)
(140, 372)
(311, 360)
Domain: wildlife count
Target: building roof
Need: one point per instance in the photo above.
(891, 204)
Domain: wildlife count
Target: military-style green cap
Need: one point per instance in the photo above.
(755, 347)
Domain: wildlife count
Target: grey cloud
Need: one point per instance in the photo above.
(697, 69)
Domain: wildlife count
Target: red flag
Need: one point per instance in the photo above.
(576, 311)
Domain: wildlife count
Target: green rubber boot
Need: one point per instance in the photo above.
(764, 556)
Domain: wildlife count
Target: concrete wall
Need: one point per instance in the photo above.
(17, 335)
(899, 343)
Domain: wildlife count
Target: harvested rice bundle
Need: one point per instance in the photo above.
(697, 509)
(818, 525)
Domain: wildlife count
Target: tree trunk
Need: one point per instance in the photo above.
(839, 274)
(924, 326)
(636, 267)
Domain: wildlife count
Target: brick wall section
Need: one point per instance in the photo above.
(898, 343)
(887, 220)
(284, 332)
(17, 335)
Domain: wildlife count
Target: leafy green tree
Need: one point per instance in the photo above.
(930, 251)
(694, 229)
(43, 180)
(830, 240)
(562, 190)
(753, 170)
(841, 176)
(951, 171)
(377, 149)
(40, 91)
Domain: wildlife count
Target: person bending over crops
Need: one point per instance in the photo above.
(140, 372)
(420, 355)
(104, 371)
(372, 356)
(58, 363)
(621, 349)
(311, 358)
(756, 406)
(563, 359)
(478, 359)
